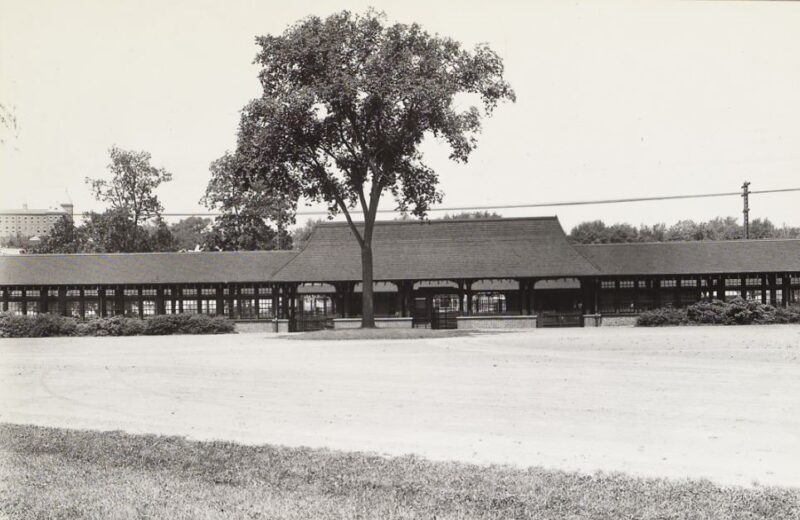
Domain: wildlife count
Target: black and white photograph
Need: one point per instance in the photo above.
(399, 260)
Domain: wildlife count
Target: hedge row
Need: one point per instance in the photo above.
(45, 325)
(716, 312)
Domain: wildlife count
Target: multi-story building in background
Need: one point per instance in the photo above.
(31, 222)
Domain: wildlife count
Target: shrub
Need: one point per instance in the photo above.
(45, 325)
(715, 312)
(188, 324)
(661, 317)
(36, 326)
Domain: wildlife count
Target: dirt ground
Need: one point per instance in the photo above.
(715, 402)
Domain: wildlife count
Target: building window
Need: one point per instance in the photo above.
(132, 309)
(626, 284)
(607, 284)
(90, 292)
(33, 308)
(264, 308)
(190, 306)
(131, 292)
(110, 292)
(669, 283)
(91, 309)
(15, 308)
(167, 291)
(149, 307)
(148, 292)
(15, 293)
(489, 303)
(74, 309)
(754, 281)
(189, 291)
(209, 307)
(32, 293)
(689, 283)
(208, 291)
(247, 290)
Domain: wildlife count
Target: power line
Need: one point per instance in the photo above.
(512, 206)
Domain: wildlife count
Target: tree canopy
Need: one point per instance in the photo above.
(132, 186)
(719, 228)
(347, 101)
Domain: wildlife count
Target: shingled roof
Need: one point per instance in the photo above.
(142, 268)
(441, 250)
(702, 257)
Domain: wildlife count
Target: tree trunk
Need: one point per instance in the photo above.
(367, 307)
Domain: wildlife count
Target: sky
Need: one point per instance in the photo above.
(614, 99)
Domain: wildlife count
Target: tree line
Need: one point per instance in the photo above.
(719, 228)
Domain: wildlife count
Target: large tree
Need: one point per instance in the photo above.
(132, 185)
(347, 101)
(247, 208)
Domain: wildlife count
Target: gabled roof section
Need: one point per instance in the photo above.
(702, 257)
(142, 268)
(441, 250)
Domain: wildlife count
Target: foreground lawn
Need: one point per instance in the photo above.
(55, 473)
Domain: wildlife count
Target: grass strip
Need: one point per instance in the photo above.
(65, 474)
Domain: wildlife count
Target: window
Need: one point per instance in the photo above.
(626, 284)
(91, 309)
(208, 291)
(74, 309)
(90, 292)
(209, 307)
(607, 284)
(148, 292)
(264, 308)
(15, 308)
(795, 281)
(15, 293)
(247, 290)
(754, 296)
(131, 292)
(669, 283)
(167, 291)
(33, 308)
(729, 294)
(132, 309)
(189, 291)
(73, 293)
(489, 303)
(32, 293)
(149, 307)
(190, 306)
(732, 282)
(109, 292)
(754, 281)
(689, 283)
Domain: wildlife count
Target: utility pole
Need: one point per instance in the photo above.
(746, 211)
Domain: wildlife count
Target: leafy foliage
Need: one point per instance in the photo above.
(190, 232)
(346, 103)
(715, 312)
(728, 228)
(132, 185)
(47, 325)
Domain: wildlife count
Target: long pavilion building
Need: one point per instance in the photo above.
(477, 273)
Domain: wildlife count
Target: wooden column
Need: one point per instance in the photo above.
(119, 300)
(5, 299)
(763, 288)
(523, 294)
(82, 303)
(220, 301)
(656, 288)
(469, 298)
(773, 288)
(62, 301)
(786, 289)
(24, 302)
(44, 306)
(460, 297)
(721, 288)
(160, 307)
(743, 291)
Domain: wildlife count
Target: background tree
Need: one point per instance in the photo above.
(64, 237)
(132, 185)
(466, 215)
(346, 103)
(190, 232)
(302, 234)
(247, 207)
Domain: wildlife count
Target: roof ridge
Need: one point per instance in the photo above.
(725, 241)
(150, 253)
(439, 221)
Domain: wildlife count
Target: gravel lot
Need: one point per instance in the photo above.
(715, 402)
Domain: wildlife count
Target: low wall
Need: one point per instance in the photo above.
(619, 321)
(592, 320)
(247, 327)
(496, 322)
(381, 323)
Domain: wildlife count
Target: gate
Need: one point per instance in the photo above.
(444, 319)
(310, 322)
(556, 319)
